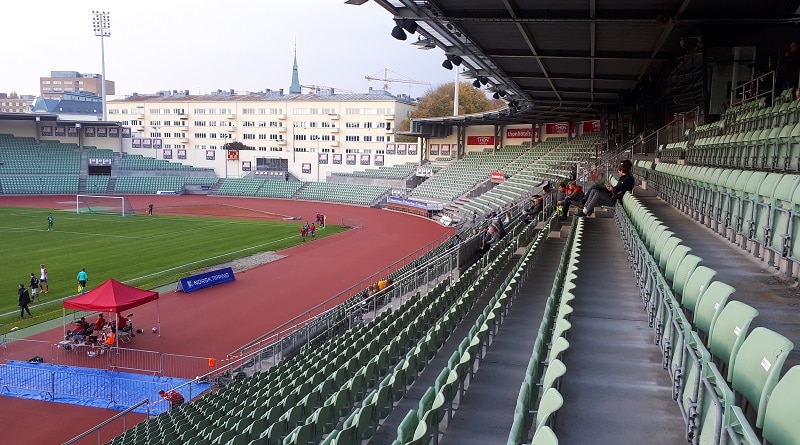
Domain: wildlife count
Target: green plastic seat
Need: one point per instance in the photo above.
(544, 436)
(694, 287)
(729, 331)
(758, 367)
(549, 404)
(783, 404)
(710, 305)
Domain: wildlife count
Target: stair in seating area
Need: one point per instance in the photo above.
(112, 182)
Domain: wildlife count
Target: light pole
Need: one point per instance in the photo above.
(316, 137)
(101, 23)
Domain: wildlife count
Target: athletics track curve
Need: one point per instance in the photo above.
(214, 321)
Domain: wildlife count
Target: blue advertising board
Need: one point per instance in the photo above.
(206, 279)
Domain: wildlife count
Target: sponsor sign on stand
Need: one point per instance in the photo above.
(207, 279)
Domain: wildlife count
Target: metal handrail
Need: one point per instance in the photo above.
(99, 426)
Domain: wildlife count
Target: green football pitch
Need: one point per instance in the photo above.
(142, 251)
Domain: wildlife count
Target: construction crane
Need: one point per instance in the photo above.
(385, 79)
(317, 89)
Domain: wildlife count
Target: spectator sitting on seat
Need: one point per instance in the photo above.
(174, 398)
(120, 321)
(573, 195)
(100, 323)
(82, 330)
(109, 338)
(609, 195)
(82, 324)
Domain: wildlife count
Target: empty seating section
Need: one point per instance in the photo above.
(240, 186)
(756, 210)
(345, 193)
(554, 159)
(462, 175)
(722, 370)
(153, 184)
(138, 162)
(23, 156)
(539, 398)
(749, 136)
(278, 189)
(337, 392)
(39, 184)
(384, 172)
(97, 184)
(99, 153)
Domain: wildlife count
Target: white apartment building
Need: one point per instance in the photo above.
(310, 134)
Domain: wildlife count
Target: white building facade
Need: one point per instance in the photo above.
(307, 134)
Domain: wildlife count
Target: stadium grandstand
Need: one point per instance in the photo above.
(668, 317)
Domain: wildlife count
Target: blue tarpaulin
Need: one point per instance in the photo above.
(90, 387)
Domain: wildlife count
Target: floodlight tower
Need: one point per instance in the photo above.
(101, 23)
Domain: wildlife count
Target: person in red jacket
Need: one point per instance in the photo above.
(572, 196)
(174, 398)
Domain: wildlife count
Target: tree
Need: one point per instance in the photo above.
(438, 102)
(236, 145)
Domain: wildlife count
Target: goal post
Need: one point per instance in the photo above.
(107, 205)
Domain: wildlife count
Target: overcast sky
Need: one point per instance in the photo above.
(205, 45)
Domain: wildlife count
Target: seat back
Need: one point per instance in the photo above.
(550, 402)
(675, 260)
(710, 304)
(780, 418)
(695, 286)
(729, 331)
(683, 272)
(544, 436)
(758, 366)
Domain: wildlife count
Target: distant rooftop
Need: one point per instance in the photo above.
(266, 96)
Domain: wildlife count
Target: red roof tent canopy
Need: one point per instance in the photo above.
(111, 296)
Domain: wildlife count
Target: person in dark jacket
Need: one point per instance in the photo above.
(24, 301)
(609, 195)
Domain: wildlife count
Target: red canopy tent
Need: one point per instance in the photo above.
(112, 296)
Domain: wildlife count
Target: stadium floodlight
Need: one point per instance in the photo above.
(102, 28)
(108, 205)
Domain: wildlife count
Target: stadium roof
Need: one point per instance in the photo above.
(576, 60)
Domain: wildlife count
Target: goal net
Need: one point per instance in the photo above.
(109, 205)
(352, 222)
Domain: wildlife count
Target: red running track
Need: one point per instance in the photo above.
(212, 322)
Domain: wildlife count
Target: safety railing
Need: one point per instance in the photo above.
(113, 358)
(111, 424)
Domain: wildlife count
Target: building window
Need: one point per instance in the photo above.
(351, 138)
(248, 136)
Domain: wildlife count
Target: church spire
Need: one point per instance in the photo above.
(295, 87)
